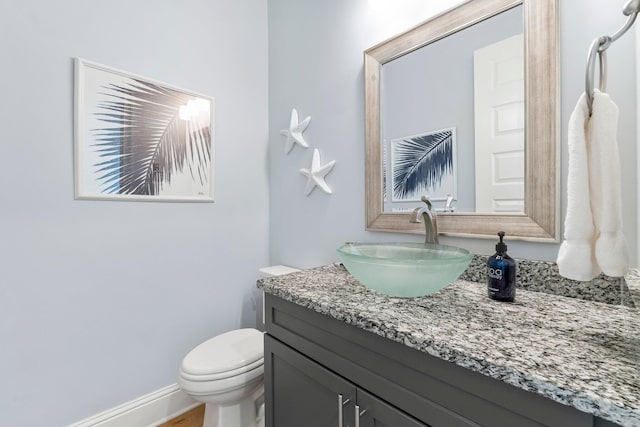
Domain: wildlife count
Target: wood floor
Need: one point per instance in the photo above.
(192, 418)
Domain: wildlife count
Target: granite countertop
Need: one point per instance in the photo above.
(577, 352)
(632, 280)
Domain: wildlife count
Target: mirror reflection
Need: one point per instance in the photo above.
(453, 121)
(536, 219)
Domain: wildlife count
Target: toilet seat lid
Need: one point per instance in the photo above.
(226, 352)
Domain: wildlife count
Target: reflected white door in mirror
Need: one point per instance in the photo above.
(499, 126)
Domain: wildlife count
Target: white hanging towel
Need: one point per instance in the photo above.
(604, 179)
(576, 258)
(593, 225)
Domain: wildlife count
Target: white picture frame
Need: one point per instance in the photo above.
(140, 139)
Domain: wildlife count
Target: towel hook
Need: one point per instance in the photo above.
(591, 65)
(600, 45)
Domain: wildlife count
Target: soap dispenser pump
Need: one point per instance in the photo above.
(501, 273)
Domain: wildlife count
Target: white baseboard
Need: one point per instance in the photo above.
(150, 410)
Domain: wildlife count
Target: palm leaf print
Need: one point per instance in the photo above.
(145, 142)
(421, 162)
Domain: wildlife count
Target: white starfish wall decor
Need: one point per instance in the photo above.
(315, 175)
(294, 132)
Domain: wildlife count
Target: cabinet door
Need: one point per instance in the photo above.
(373, 412)
(300, 392)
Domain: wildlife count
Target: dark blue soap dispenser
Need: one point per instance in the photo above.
(501, 273)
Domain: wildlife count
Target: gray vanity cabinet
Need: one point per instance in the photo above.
(313, 360)
(300, 392)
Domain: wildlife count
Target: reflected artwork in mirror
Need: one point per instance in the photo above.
(461, 108)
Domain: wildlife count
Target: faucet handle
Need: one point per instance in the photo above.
(416, 215)
(448, 206)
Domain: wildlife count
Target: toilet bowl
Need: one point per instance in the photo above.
(226, 374)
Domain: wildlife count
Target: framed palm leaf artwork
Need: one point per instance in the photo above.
(139, 139)
(424, 164)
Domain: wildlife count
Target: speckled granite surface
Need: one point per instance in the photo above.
(576, 352)
(543, 276)
(632, 280)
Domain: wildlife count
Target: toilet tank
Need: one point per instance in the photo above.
(274, 270)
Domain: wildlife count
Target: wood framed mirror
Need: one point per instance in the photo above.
(537, 217)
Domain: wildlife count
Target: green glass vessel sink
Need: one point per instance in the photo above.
(404, 269)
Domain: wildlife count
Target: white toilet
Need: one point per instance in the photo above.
(226, 373)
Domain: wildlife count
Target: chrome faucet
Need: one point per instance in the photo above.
(428, 215)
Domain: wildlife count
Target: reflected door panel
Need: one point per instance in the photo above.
(499, 126)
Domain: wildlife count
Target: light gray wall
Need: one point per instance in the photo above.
(315, 65)
(99, 301)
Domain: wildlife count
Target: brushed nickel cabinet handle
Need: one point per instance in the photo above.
(358, 413)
